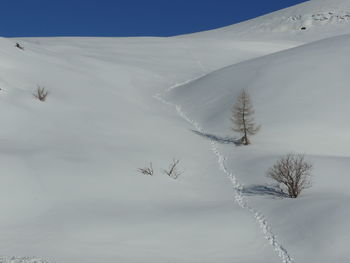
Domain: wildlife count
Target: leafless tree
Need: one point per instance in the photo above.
(293, 172)
(242, 117)
(147, 170)
(41, 93)
(173, 171)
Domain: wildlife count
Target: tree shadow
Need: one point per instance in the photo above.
(219, 139)
(264, 190)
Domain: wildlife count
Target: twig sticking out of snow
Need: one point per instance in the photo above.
(173, 171)
(41, 93)
(147, 170)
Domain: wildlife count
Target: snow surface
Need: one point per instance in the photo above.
(71, 191)
(318, 18)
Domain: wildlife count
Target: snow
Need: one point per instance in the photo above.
(71, 191)
(303, 90)
(21, 260)
(321, 19)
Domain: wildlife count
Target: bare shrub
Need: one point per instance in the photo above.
(242, 117)
(293, 172)
(41, 93)
(147, 170)
(173, 171)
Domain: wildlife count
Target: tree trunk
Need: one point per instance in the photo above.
(245, 139)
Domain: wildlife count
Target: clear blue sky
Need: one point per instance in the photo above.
(126, 17)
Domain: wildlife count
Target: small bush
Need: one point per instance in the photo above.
(173, 171)
(147, 170)
(41, 93)
(293, 172)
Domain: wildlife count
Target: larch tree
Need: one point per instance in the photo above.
(242, 117)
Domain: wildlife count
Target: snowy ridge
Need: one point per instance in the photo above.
(237, 187)
(22, 260)
(158, 95)
(306, 22)
(298, 22)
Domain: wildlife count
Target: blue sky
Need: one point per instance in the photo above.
(126, 17)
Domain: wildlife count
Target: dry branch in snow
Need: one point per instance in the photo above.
(41, 93)
(147, 170)
(173, 171)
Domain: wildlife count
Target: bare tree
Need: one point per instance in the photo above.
(147, 170)
(173, 171)
(41, 93)
(293, 172)
(242, 117)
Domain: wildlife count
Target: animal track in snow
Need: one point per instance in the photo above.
(239, 198)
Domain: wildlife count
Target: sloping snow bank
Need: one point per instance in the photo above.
(306, 22)
(301, 98)
(70, 190)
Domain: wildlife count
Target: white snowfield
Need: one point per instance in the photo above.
(70, 188)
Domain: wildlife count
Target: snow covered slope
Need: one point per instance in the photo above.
(70, 191)
(309, 21)
(301, 96)
(70, 188)
(301, 99)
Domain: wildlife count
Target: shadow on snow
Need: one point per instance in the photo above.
(251, 190)
(219, 139)
(264, 190)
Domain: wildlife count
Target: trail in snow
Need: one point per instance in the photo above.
(237, 187)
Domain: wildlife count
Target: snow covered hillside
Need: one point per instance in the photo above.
(70, 163)
(309, 21)
(70, 188)
(301, 100)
